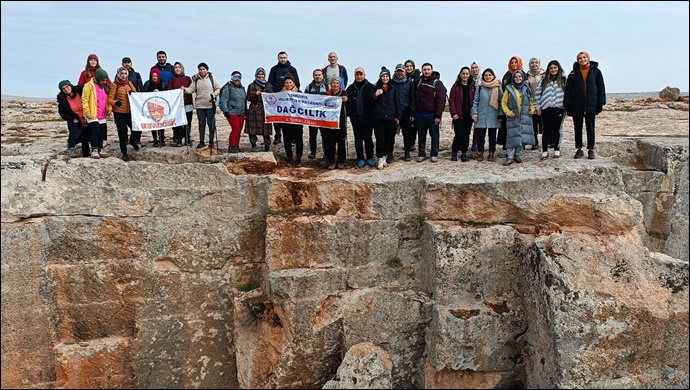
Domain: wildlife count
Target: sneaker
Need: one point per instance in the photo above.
(297, 162)
(518, 159)
(95, 154)
(454, 157)
(507, 162)
(544, 155)
(341, 165)
(421, 158)
(70, 152)
(201, 145)
(579, 154)
(125, 157)
(590, 154)
(360, 164)
(134, 145)
(434, 159)
(389, 159)
(230, 149)
(407, 157)
(557, 154)
(490, 158)
(463, 157)
(382, 162)
(332, 166)
(311, 156)
(371, 162)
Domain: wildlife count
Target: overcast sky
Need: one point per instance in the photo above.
(640, 46)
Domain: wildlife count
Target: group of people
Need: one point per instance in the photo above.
(512, 111)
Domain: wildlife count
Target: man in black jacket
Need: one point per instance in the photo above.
(276, 78)
(361, 99)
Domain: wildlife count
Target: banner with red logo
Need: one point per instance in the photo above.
(302, 108)
(157, 110)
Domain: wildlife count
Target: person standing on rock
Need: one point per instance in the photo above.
(178, 80)
(585, 97)
(71, 110)
(534, 78)
(549, 104)
(155, 84)
(207, 90)
(460, 102)
(276, 77)
(405, 87)
(233, 105)
(518, 106)
(317, 87)
(475, 72)
(361, 98)
(292, 131)
(514, 64)
(485, 111)
(336, 139)
(429, 106)
(118, 98)
(256, 117)
(96, 109)
(385, 114)
(89, 72)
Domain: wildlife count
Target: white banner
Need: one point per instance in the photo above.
(302, 108)
(157, 110)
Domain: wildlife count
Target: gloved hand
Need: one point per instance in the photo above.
(118, 103)
(227, 114)
(129, 92)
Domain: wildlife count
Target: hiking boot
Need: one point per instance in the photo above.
(579, 154)
(267, 147)
(491, 158)
(70, 152)
(480, 157)
(407, 156)
(201, 145)
(162, 142)
(454, 157)
(156, 144)
(590, 154)
(311, 156)
(277, 140)
(518, 159)
(333, 165)
(360, 164)
(178, 144)
(125, 157)
(389, 159)
(434, 158)
(95, 154)
(134, 145)
(421, 158)
(211, 145)
(103, 154)
(507, 162)
(298, 162)
(463, 157)
(473, 148)
(230, 149)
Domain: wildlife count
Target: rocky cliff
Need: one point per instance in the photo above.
(189, 270)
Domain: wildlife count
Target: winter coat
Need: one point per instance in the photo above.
(65, 109)
(206, 92)
(387, 105)
(343, 108)
(405, 89)
(575, 101)
(120, 93)
(233, 99)
(255, 120)
(431, 96)
(366, 91)
(487, 116)
(176, 82)
(455, 100)
(342, 72)
(90, 102)
(519, 130)
(276, 76)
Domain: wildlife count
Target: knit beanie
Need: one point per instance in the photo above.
(332, 79)
(202, 65)
(101, 75)
(385, 71)
(92, 57)
(63, 83)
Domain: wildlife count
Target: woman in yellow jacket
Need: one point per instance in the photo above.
(95, 103)
(118, 99)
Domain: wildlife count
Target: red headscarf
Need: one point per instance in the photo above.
(519, 61)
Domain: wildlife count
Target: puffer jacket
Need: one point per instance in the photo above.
(233, 99)
(119, 92)
(575, 101)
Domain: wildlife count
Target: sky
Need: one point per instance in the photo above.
(640, 46)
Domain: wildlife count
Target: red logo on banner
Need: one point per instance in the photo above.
(156, 111)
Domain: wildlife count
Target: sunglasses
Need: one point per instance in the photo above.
(236, 77)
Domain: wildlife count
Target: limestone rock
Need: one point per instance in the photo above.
(365, 366)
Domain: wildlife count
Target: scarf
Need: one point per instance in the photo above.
(494, 85)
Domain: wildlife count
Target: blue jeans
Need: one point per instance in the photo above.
(425, 124)
(512, 153)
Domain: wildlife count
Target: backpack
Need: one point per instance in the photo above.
(419, 82)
